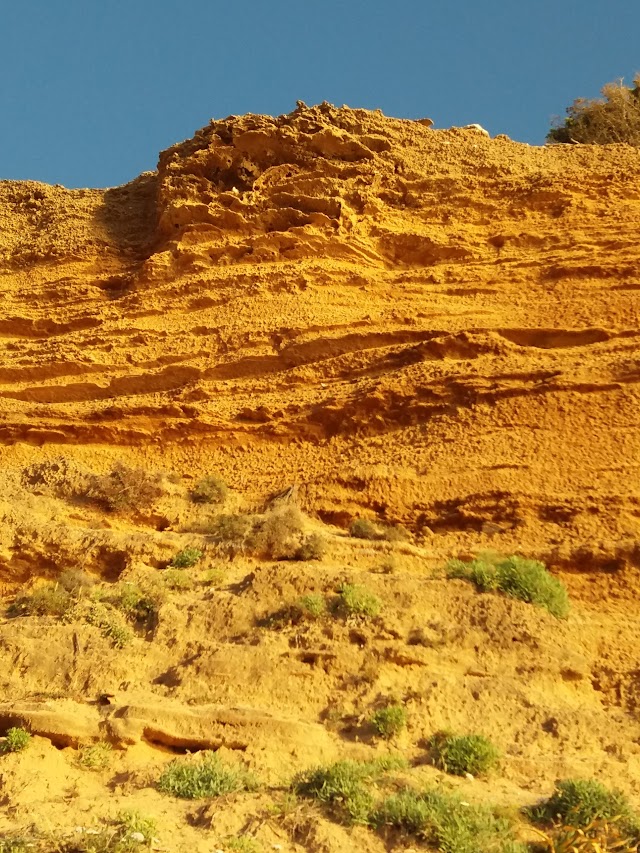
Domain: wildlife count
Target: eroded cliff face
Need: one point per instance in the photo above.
(416, 326)
(432, 326)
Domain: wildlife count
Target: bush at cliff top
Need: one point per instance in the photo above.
(613, 118)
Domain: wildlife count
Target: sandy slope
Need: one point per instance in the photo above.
(427, 327)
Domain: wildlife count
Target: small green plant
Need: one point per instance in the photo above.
(357, 600)
(389, 721)
(95, 756)
(186, 558)
(210, 490)
(242, 844)
(578, 802)
(206, 776)
(313, 605)
(344, 786)
(446, 822)
(16, 844)
(527, 580)
(460, 754)
(213, 577)
(177, 579)
(362, 528)
(16, 740)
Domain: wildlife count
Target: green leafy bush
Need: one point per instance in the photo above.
(446, 822)
(613, 118)
(578, 802)
(210, 490)
(50, 599)
(344, 786)
(357, 600)
(16, 740)
(389, 721)
(96, 756)
(313, 605)
(140, 606)
(460, 754)
(110, 622)
(186, 558)
(242, 844)
(206, 776)
(517, 577)
(177, 579)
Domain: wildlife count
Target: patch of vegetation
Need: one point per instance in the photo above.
(517, 577)
(280, 534)
(213, 577)
(16, 739)
(312, 547)
(446, 822)
(140, 606)
(357, 600)
(49, 599)
(232, 534)
(362, 528)
(579, 802)
(177, 579)
(124, 489)
(210, 490)
(313, 605)
(186, 559)
(242, 844)
(110, 623)
(206, 776)
(16, 844)
(460, 754)
(613, 118)
(76, 582)
(600, 836)
(345, 786)
(389, 721)
(96, 756)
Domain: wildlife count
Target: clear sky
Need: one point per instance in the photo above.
(90, 91)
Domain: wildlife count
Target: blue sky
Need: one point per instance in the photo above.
(90, 92)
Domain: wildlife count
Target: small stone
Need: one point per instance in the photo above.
(469, 776)
(137, 836)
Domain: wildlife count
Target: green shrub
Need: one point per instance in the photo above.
(16, 844)
(517, 577)
(361, 528)
(15, 740)
(344, 786)
(614, 118)
(177, 579)
(313, 547)
(389, 721)
(96, 756)
(444, 821)
(186, 558)
(462, 754)
(313, 605)
(210, 490)
(50, 599)
(357, 600)
(140, 606)
(207, 776)
(578, 802)
(110, 622)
